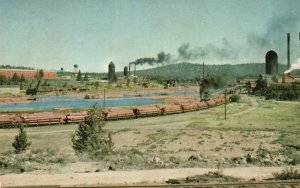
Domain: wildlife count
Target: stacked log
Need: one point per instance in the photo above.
(6, 119)
(42, 118)
(119, 113)
(202, 105)
(143, 111)
(211, 103)
(75, 117)
(187, 107)
(170, 109)
(219, 101)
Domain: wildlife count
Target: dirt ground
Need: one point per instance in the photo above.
(158, 176)
(140, 93)
(255, 136)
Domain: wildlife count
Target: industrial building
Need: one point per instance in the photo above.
(28, 74)
(285, 79)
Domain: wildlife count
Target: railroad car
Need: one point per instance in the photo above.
(219, 101)
(202, 105)
(42, 118)
(75, 117)
(144, 111)
(187, 107)
(170, 109)
(119, 113)
(110, 114)
(211, 103)
(5, 119)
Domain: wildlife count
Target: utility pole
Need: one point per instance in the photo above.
(203, 70)
(104, 98)
(225, 102)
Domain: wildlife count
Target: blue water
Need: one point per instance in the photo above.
(175, 93)
(54, 97)
(63, 97)
(78, 104)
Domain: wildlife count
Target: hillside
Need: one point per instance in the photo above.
(191, 71)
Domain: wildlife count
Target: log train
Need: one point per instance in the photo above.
(49, 118)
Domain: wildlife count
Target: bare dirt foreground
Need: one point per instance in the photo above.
(130, 177)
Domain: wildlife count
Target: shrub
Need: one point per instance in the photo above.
(282, 92)
(87, 97)
(90, 137)
(287, 174)
(21, 142)
(235, 98)
(31, 91)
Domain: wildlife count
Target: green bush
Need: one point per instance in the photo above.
(87, 97)
(90, 137)
(31, 91)
(282, 92)
(235, 98)
(21, 142)
(287, 174)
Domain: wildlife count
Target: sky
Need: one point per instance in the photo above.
(51, 34)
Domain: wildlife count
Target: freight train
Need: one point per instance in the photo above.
(48, 118)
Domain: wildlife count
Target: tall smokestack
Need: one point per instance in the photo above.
(288, 51)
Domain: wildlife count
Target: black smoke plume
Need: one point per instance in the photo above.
(162, 57)
(275, 37)
(226, 50)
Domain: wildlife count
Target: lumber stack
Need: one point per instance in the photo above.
(202, 105)
(42, 118)
(143, 111)
(187, 107)
(211, 103)
(219, 101)
(75, 117)
(6, 119)
(119, 113)
(170, 109)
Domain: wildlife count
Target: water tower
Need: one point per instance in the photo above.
(126, 71)
(75, 68)
(111, 71)
(271, 62)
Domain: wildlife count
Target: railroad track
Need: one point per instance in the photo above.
(289, 183)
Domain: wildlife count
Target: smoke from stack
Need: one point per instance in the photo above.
(161, 58)
(226, 50)
(273, 36)
(295, 66)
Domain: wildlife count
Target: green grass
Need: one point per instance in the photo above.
(270, 116)
(162, 136)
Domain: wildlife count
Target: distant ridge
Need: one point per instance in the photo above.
(15, 67)
(191, 71)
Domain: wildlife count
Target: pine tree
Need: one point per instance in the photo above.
(21, 142)
(41, 73)
(90, 137)
(22, 78)
(86, 78)
(15, 77)
(79, 77)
